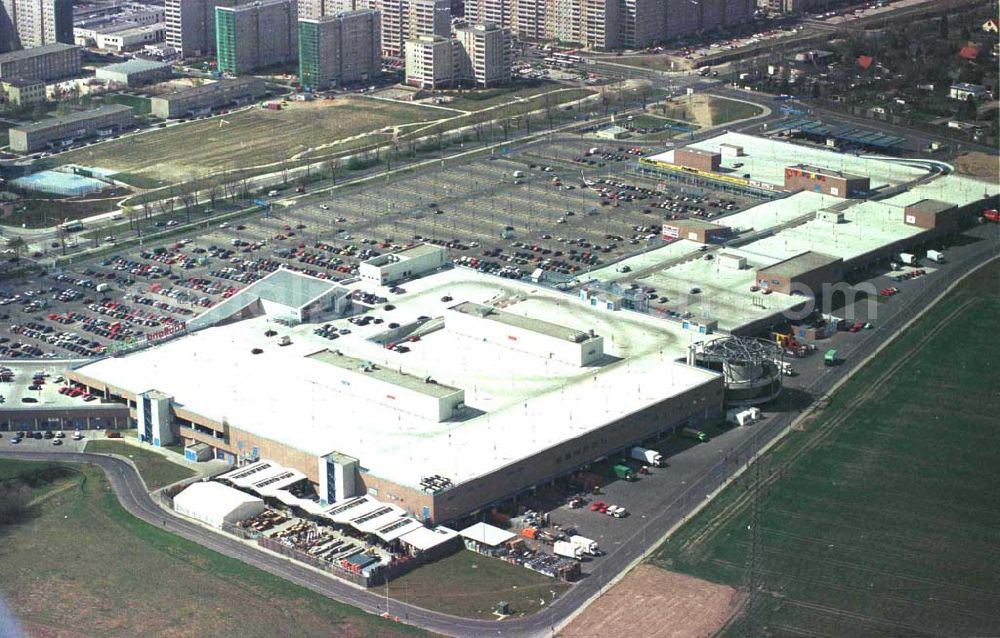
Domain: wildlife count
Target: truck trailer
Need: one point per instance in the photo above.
(697, 435)
(588, 546)
(742, 416)
(623, 472)
(646, 455)
(567, 550)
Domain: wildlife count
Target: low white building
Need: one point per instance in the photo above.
(406, 264)
(215, 504)
(540, 338)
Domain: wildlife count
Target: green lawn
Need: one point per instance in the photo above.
(470, 585)
(881, 516)
(155, 470)
(82, 566)
(476, 100)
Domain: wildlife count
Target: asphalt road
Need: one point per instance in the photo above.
(675, 507)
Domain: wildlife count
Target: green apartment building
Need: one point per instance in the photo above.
(339, 49)
(255, 36)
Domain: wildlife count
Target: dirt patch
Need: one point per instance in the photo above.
(979, 165)
(657, 603)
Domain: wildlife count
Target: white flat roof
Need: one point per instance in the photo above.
(486, 534)
(725, 292)
(210, 496)
(868, 226)
(778, 211)
(649, 259)
(424, 539)
(284, 396)
(765, 160)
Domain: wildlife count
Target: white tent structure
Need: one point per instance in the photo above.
(215, 504)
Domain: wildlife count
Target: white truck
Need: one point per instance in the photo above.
(593, 151)
(651, 457)
(567, 550)
(936, 256)
(742, 416)
(588, 546)
(908, 258)
(518, 174)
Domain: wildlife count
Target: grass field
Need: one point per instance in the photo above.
(155, 470)
(467, 584)
(880, 517)
(707, 110)
(486, 98)
(82, 566)
(250, 138)
(39, 213)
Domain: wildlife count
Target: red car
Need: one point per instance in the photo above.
(858, 325)
(598, 506)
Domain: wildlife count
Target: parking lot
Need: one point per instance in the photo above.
(563, 206)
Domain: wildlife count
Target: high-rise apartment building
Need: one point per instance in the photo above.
(255, 36)
(484, 54)
(478, 55)
(25, 24)
(497, 12)
(340, 48)
(404, 20)
(430, 61)
(611, 24)
(528, 19)
(314, 9)
(191, 25)
(600, 24)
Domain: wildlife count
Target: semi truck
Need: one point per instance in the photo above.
(567, 550)
(936, 256)
(588, 546)
(645, 455)
(693, 433)
(623, 472)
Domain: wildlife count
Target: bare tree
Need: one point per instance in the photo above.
(333, 169)
(506, 125)
(167, 204)
(232, 190)
(146, 201)
(214, 192)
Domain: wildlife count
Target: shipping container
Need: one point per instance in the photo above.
(623, 472)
